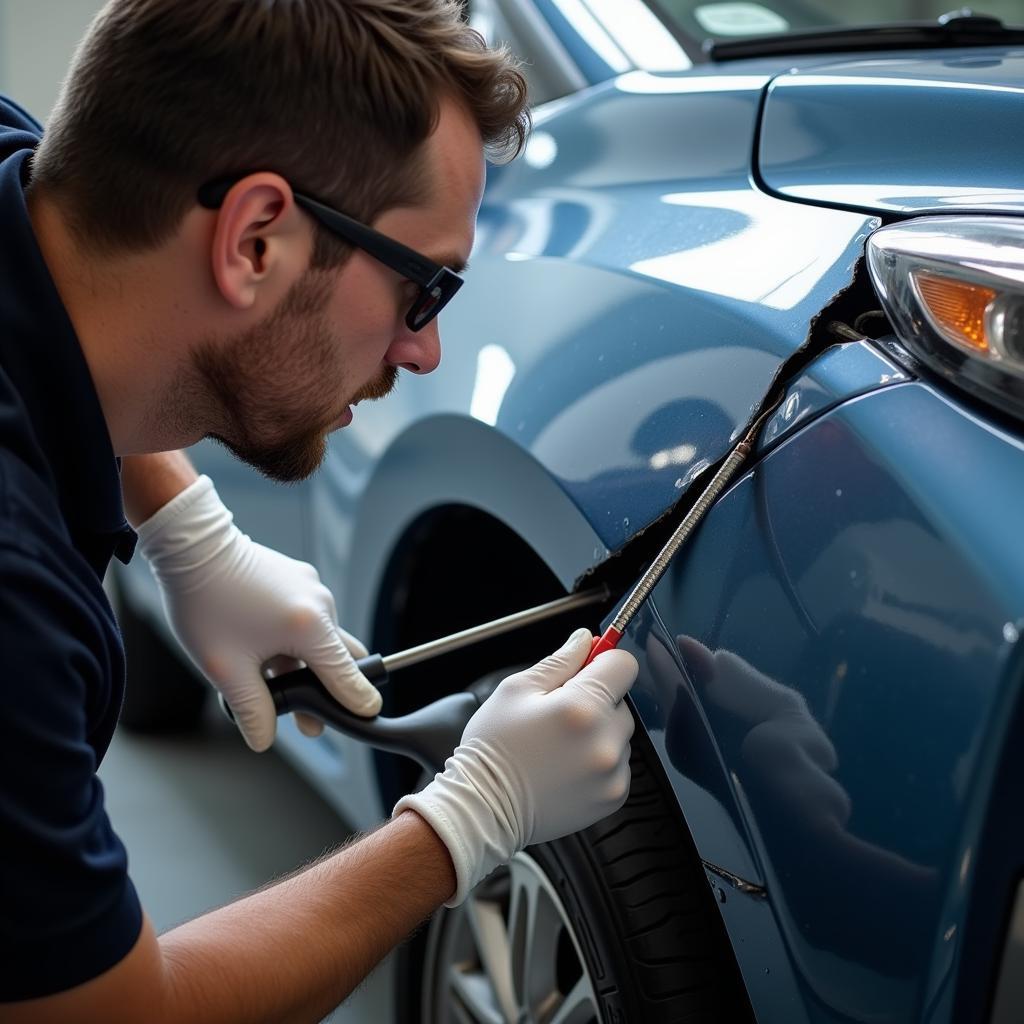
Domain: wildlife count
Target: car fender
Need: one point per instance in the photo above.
(449, 459)
(888, 598)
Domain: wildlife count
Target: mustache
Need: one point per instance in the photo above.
(379, 388)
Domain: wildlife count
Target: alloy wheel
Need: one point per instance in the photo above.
(508, 955)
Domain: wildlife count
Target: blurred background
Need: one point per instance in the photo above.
(36, 44)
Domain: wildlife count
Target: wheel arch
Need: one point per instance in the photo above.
(452, 465)
(459, 525)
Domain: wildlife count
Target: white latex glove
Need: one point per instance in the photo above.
(546, 755)
(235, 605)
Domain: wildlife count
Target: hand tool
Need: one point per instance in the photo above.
(430, 734)
(610, 638)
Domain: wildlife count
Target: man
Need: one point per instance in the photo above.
(166, 274)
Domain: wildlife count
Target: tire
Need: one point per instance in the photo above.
(162, 695)
(633, 912)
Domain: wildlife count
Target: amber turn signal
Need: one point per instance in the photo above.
(957, 308)
(953, 290)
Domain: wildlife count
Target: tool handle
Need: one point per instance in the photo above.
(372, 666)
(607, 641)
(428, 735)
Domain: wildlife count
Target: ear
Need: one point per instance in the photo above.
(259, 239)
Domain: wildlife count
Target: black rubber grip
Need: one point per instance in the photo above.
(428, 735)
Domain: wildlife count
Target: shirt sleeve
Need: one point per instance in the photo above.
(16, 116)
(69, 910)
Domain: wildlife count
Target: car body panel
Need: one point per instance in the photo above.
(442, 460)
(853, 568)
(637, 282)
(838, 374)
(672, 300)
(904, 134)
(714, 281)
(446, 460)
(536, 390)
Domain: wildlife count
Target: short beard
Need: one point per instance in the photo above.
(379, 388)
(287, 463)
(291, 344)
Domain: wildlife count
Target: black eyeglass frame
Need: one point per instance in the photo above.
(438, 284)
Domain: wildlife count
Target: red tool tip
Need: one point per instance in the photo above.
(607, 641)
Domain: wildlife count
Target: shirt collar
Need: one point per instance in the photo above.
(41, 353)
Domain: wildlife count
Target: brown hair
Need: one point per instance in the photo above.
(337, 96)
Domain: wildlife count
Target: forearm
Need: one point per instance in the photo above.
(295, 950)
(148, 482)
(289, 953)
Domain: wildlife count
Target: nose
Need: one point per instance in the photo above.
(416, 351)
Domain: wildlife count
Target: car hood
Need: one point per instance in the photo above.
(909, 134)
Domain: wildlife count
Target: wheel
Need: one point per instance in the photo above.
(510, 949)
(162, 695)
(616, 923)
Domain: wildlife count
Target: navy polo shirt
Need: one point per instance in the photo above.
(68, 911)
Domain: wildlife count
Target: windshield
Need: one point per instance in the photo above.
(734, 20)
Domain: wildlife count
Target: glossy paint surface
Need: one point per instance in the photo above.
(838, 374)
(860, 608)
(901, 133)
(634, 288)
(642, 305)
(630, 299)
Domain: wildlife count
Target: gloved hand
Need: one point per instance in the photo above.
(546, 755)
(235, 605)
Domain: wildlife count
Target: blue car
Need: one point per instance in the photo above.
(729, 214)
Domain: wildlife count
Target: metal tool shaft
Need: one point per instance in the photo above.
(414, 655)
(429, 734)
(657, 568)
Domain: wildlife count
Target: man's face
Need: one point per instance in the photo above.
(339, 336)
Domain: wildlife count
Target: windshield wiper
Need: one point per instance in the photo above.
(959, 28)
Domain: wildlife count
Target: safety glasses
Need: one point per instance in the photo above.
(437, 284)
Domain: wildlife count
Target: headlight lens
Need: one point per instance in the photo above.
(953, 288)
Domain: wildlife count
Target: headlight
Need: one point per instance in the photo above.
(953, 288)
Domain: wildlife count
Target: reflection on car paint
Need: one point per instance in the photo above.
(838, 374)
(813, 245)
(824, 129)
(636, 284)
(879, 653)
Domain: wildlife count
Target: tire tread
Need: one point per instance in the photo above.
(677, 954)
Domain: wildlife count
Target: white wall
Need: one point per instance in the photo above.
(37, 39)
